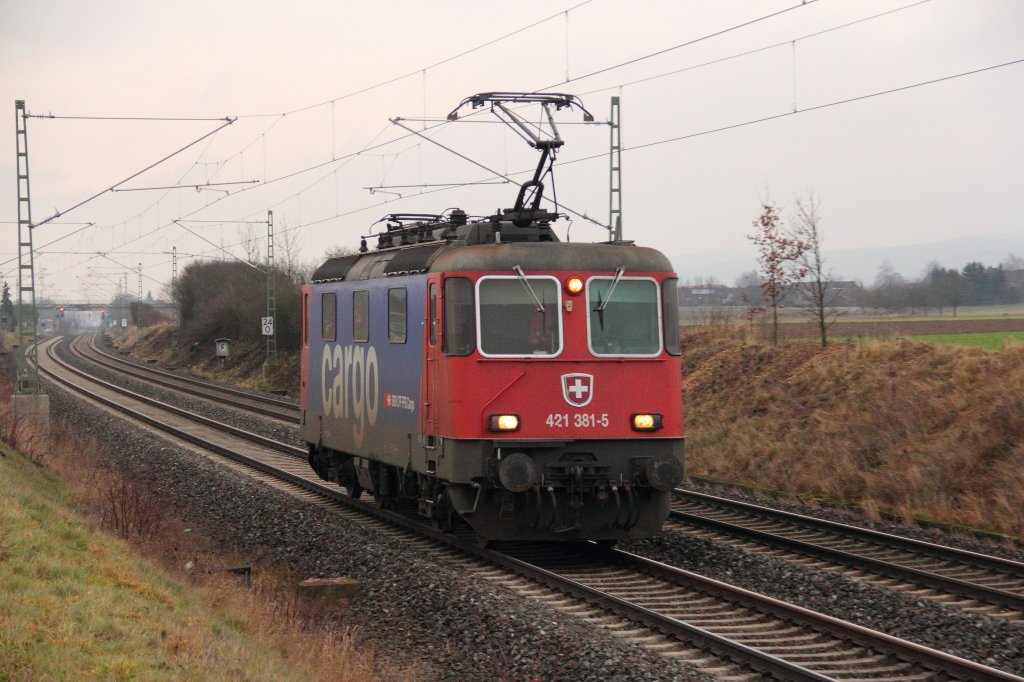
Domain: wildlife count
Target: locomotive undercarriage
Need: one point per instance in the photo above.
(553, 493)
(528, 494)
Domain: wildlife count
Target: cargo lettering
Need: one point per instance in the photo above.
(350, 386)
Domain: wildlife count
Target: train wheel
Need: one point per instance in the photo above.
(355, 491)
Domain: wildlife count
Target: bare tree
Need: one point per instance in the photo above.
(819, 297)
(339, 251)
(250, 243)
(890, 287)
(777, 258)
(288, 248)
(748, 279)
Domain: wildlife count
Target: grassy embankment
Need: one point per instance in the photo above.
(244, 367)
(921, 430)
(94, 584)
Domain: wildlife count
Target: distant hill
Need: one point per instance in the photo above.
(910, 260)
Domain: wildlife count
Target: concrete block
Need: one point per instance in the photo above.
(330, 589)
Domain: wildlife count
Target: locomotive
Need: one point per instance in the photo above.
(483, 372)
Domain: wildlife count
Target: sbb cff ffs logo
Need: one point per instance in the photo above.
(578, 388)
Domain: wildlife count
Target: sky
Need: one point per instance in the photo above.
(724, 106)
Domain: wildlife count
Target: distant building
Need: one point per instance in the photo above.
(840, 293)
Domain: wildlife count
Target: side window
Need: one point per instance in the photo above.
(361, 315)
(305, 319)
(396, 315)
(329, 317)
(670, 314)
(459, 317)
(432, 315)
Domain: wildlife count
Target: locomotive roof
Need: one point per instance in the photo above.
(561, 256)
(499, 242)
(456, 257)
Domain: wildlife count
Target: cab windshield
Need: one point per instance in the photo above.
(623, 320)
(519, 316)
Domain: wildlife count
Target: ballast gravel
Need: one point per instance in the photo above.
(417, 610)
(409, 607)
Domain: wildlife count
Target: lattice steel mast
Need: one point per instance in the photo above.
(271, 297)
(615, 180)
(28, 372)
(176, 321)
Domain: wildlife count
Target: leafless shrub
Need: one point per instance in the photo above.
(128, 508)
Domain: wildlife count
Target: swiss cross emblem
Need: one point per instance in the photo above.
(578, 389)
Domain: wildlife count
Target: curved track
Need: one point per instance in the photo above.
(978, 582)
(223, 395)
(756, 635)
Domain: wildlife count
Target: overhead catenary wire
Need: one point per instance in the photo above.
(422, 70)
(674, 139)
(125, 118)
(756, 50)
(688, 136)
(635, 147)
(520, 30)
(228, 122)
(603, 70)
(694, 41)
(649, 55)
(434, 65)
(720, 129)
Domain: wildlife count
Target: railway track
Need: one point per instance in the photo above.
(224, 395)
(972, 581)
(664, 608)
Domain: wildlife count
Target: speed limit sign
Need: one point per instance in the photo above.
(268, 326)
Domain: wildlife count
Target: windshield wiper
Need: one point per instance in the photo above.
(526, 283)
(604, 304)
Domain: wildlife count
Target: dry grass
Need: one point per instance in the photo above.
(244, 367)
(78, 601)
(925, 431)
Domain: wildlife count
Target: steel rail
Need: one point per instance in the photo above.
(719, 645)
(761, 661)
(173, 380)
(991, 595)
(903, 649)
(205, 421)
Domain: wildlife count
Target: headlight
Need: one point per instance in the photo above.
(503, 422)
(645, 422)
(573, 286)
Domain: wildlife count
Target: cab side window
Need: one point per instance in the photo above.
(432, 315)
(361, 315)
(329, 317)
(397, 316)
(459, 317)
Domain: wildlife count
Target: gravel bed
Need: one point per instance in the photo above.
(226, 415)
(476, 631)
(992, 641)
(953, 538)
(410, 608)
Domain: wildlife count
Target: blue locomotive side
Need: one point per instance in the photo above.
(364, 366)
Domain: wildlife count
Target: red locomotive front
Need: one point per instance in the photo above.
(555, 386)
